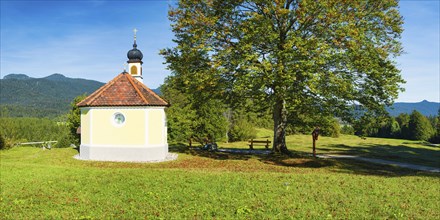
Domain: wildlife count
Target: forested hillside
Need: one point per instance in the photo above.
(23, 96)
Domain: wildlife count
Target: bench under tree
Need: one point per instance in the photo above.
(252, 142)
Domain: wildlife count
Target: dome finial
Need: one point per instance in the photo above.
(134, 55)
(135, 30)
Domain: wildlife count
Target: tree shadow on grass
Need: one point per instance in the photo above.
(298, 159)
(197, 151)
(349, 166)
(426, 156)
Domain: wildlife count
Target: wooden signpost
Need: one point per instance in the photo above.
(315, 135)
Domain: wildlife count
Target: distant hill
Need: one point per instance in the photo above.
(424, 107)
(49, 96)
(24, 96)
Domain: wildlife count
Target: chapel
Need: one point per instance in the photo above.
(124, 120)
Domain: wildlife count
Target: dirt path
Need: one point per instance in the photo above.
(385, 162)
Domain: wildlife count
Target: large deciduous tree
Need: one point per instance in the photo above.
(295, 56)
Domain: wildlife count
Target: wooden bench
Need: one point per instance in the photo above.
(252, 142)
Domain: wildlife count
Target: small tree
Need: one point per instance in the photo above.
(436, 137)
(241, 127)
(419, 127)
(180, 114)
(389, 128)
(211, 123)
(403, 120)
(394, 128)
(367, 125)
(74, 120)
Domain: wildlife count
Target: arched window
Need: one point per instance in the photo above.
(133, 70)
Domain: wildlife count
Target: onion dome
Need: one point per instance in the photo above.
(134, 55)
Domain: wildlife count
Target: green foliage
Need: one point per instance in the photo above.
(419, 127)
(262, 119)
(368, 124)
(389, 128)
(241, 128)
(192, 114)
(3, 144)
(306, 57)
(414, 127)
(211, 123)
(180, 114)
(74, 120)
(31, 129)
(17, 110)
(305, 124)
(347, 129)
(394, 128)
(330, 127)
(64, 141)
(436, 137)
(403, 120)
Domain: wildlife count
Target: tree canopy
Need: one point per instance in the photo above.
(296, 57)
(419, 127)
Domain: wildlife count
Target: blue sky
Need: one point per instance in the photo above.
(90, 39)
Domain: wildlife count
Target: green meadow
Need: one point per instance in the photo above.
(51, 184)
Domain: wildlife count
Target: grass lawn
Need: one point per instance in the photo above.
(399, 150)
(47, 184)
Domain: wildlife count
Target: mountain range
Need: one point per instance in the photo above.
(24, 96)
(425, 107)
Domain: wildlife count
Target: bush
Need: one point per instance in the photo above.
(347, 129)
(328, 126)
(64, 141)
(74, 119)
(331, 128)
(6, 143)
(242, 130)
(3, 144)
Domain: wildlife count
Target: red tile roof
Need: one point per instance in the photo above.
(123, 90)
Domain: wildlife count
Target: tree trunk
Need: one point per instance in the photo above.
(280, 124)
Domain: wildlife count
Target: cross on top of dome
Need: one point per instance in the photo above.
(134, 55)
